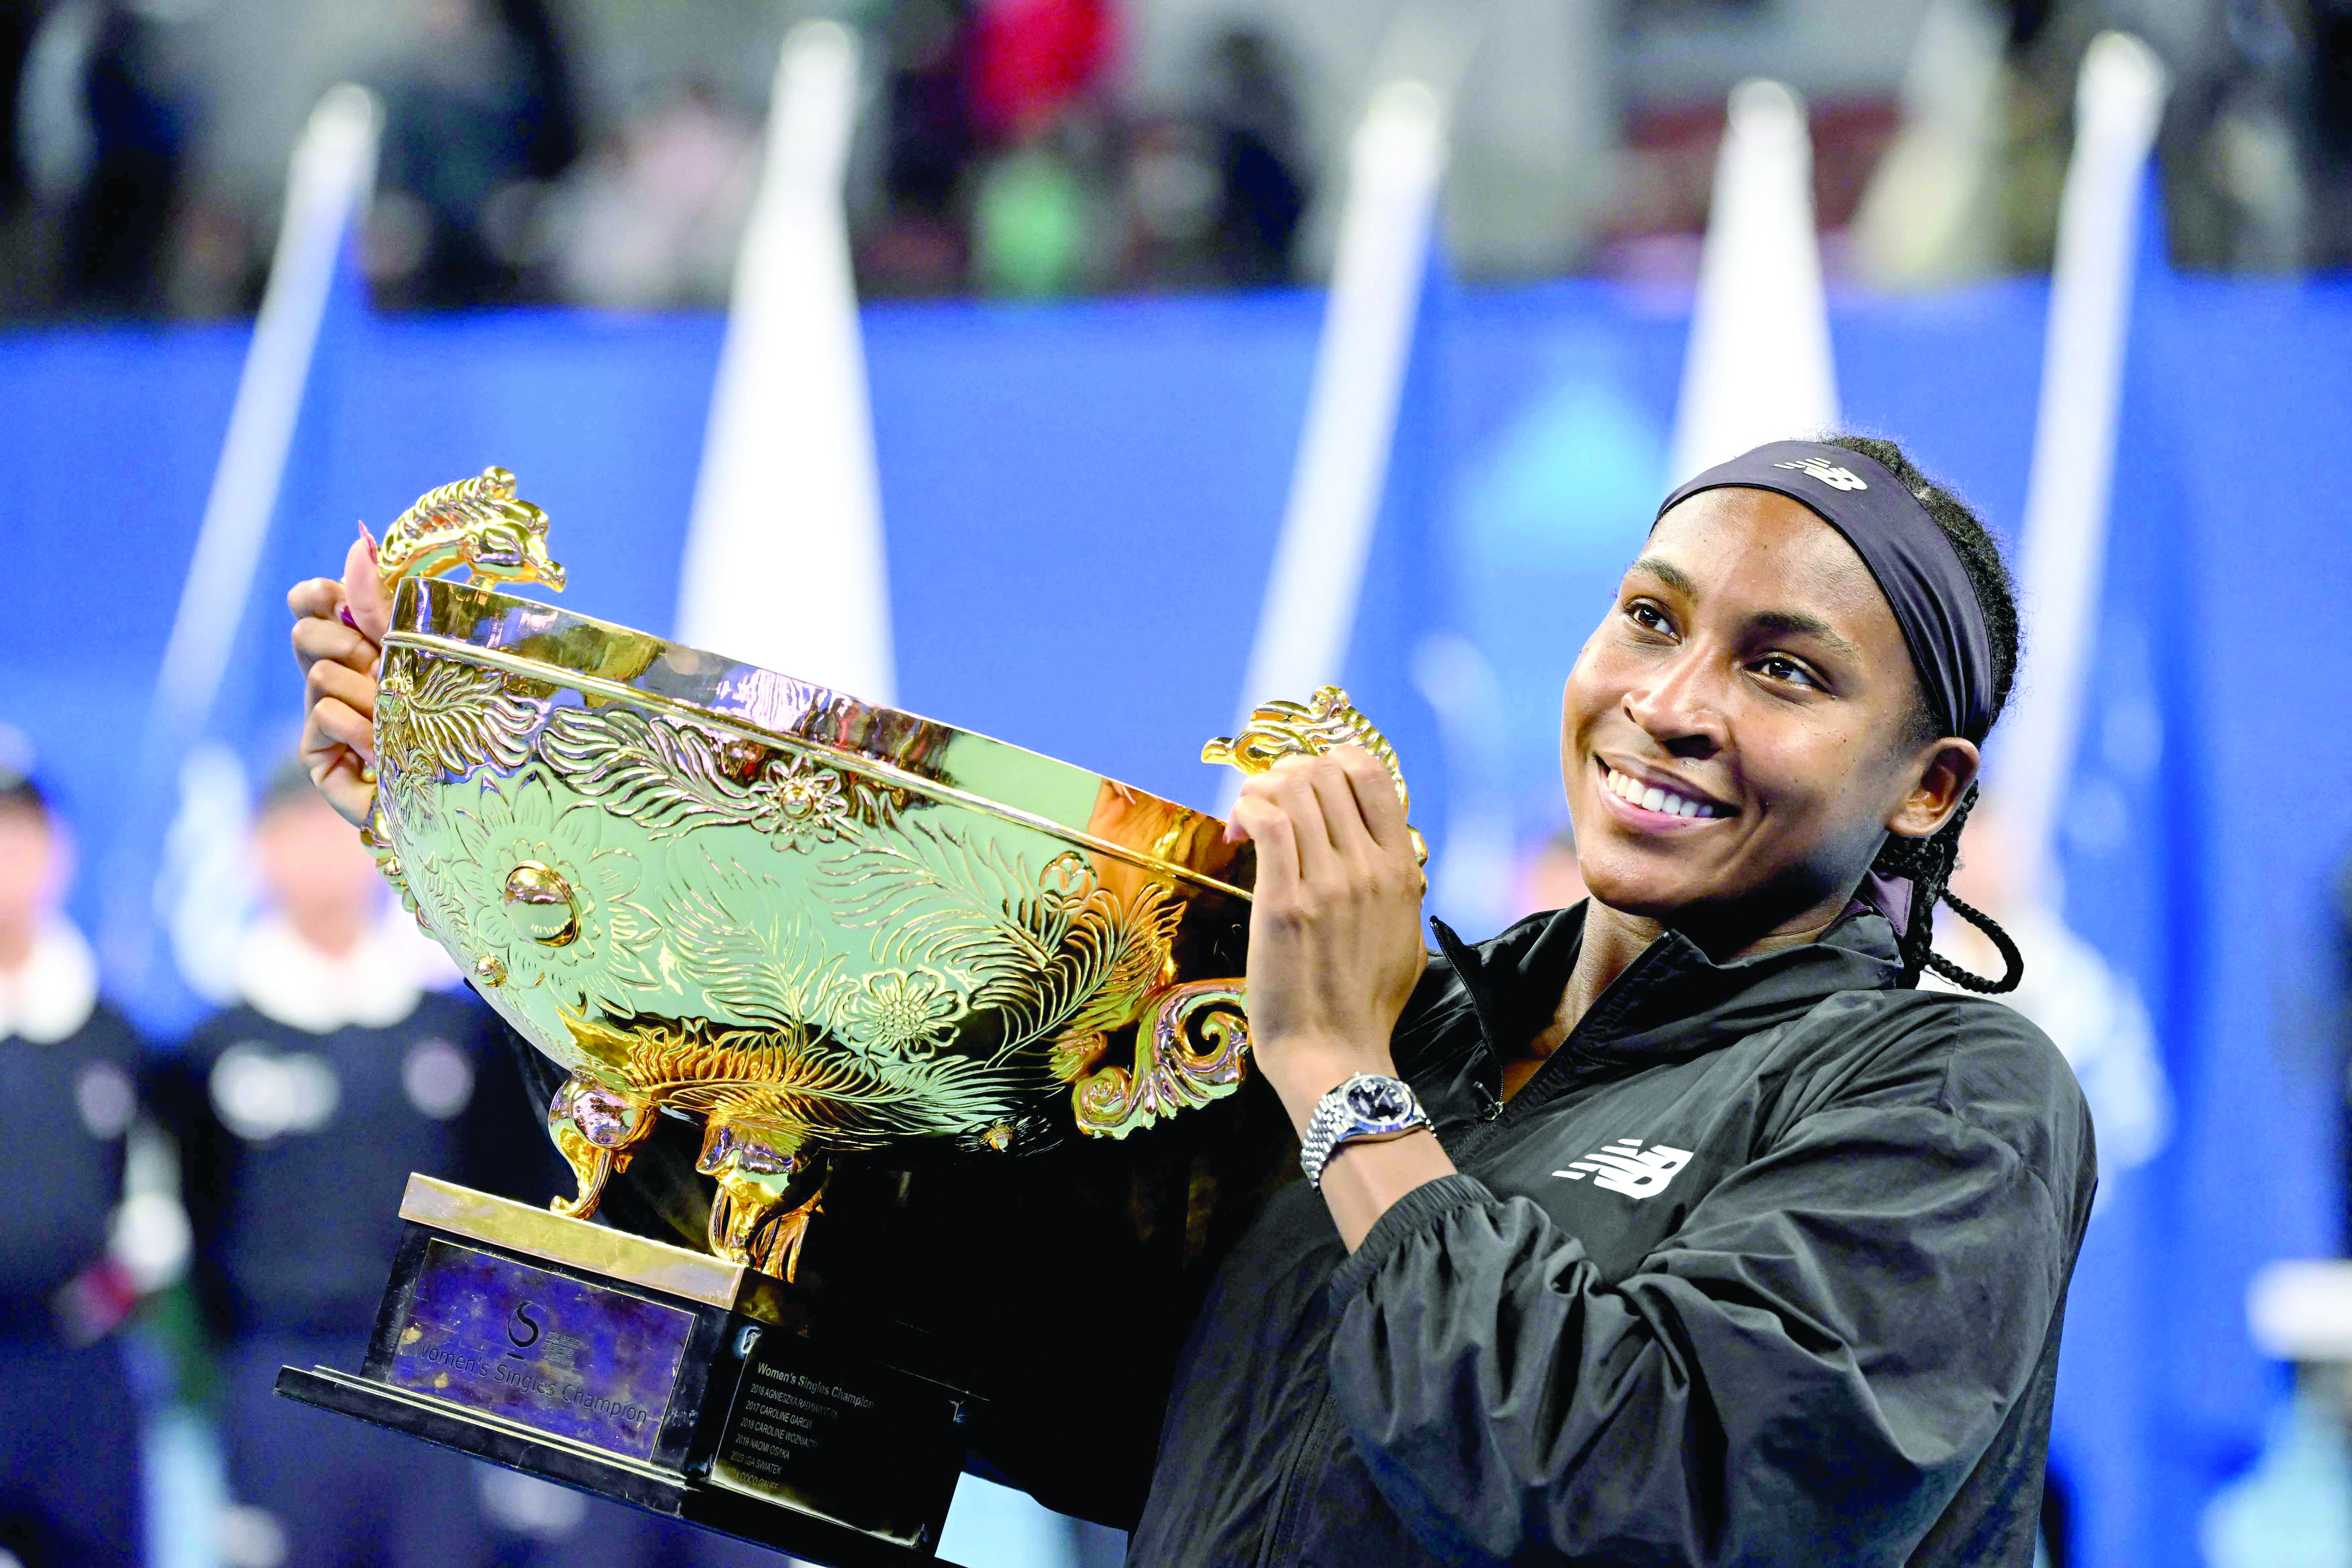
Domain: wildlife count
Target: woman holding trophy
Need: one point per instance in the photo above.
(1678, 1226)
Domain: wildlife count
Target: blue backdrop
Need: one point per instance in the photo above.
(1081, 503)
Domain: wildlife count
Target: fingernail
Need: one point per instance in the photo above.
(370, 539)
(346, 612)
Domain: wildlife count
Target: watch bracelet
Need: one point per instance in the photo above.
(1323, 1140)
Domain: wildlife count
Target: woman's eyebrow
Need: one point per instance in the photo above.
(1791, 623)
(1667, 572)
(1776, 623)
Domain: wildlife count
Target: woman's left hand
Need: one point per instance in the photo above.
(1335, 945)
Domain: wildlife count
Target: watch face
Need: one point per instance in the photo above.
(1379, 1100)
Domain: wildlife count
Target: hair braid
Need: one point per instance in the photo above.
(1928, 863)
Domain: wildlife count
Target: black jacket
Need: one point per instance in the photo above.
(296, 1217)
(1766, 1265)
(70, 1100)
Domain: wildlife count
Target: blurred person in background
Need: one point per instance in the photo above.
(1216, 198)
(17, 20)
(919, 243)
(2254, 156)
(69, 1474)
(1038, 208)
(301, 1112)
(479, 116)
(654, 218)
(1254, 118)
(2330, 68)
(104, 138)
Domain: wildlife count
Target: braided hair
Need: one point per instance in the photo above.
(1927, 862)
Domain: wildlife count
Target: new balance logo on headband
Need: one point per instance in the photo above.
(1627, 1167)
(1829, 473)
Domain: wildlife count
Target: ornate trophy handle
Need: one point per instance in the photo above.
(1278, 730)
(477, 524)
(1191, 1046)
(1192, 1041)
(474, 523)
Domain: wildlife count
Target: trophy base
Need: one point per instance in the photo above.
(659, 1377)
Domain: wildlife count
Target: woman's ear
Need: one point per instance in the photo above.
(1946, 768)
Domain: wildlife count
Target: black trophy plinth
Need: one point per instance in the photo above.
(660, 1377)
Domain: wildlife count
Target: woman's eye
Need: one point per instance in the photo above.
(1780, 667)
(1648, 616)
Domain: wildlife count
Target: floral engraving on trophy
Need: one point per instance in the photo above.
(772, 971)
(1053, 954)
(439, 718)
(901, 1012)
(757, 954)
(810, 804)
(515, 878)
(670, 776)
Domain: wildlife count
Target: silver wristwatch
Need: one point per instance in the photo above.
(1367, 1109)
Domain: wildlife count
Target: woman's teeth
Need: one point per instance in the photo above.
(1650, 797)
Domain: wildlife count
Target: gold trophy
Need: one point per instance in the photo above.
(907, 992)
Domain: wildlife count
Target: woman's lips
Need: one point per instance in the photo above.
(1654, 808)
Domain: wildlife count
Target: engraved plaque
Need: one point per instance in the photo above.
(855, 1442)
(559, 1355)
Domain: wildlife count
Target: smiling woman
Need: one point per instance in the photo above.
(1678, 1227)
(1858, 724)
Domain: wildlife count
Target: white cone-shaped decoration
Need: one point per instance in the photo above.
(1394, 167)
(1927, 220)
(327, 184)
(2118, 99)
(785, 562)
(1759, 368)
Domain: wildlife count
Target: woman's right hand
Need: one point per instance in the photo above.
(339, 630)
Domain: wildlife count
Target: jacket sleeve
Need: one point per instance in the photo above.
(1819, 1354)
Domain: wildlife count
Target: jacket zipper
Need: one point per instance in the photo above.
(1544, 1086)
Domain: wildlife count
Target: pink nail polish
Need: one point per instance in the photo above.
(346, 611)
(370, 539)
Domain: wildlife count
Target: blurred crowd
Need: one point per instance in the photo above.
(587, 152)
(993, 155)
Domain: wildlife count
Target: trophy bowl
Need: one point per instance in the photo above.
(816, 926)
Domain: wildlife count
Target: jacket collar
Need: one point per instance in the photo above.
(53, 996)
(1673, 1001)
(285, 979)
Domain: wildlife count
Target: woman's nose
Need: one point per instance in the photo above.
(1681, 707)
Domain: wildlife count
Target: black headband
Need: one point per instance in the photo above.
(1913, 560)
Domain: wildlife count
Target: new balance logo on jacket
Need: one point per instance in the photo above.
(1627, 1167)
